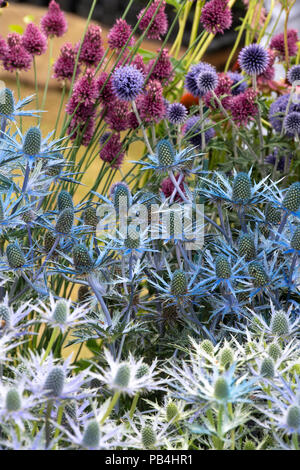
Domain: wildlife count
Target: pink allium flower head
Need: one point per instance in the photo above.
(64, 66)
(111, 151)
(3, 48)
(132, 121)
(92, 49)
(16, 57)
(163, 69)
(138, 62)
(243, 107)
(54, 22)
(106, 95)
(167, 187)
(277, 43)
(119, 35)
(222, 90)
(151, 104)
(216, 16)
(85, 90)
(117, 116)
(34, 41)
(159, 25)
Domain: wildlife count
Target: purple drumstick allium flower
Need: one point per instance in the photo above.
(92, 49)
(167, 187)
(254, 59)
(85, 90)
(159, 25)
(216, 16)
(3, 48)
(294, 74)
(236, 79)
(16, 57)
(106, 95)
(111, 151)
(162, 69)
(176, 113)
(192, 75)
(192, 131)
(117, 116)
(243, 107)
(207, 81)
(34, 41)
(277, 43)
(65, 64)
(151, 104)
(127, 82)
(138, 62)
(292, 123)
(120, 34)
(54, 22)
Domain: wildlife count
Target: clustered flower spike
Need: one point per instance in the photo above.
(216, 16)
(16, 57)
(91, 51)
(155, 18)
(119, 35)
(34, 41)
(54, 22)
(65, 64)
(278, 43)
(112, 150)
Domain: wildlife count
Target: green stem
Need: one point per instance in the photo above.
(111, 406)
(133, 405)
(50, 344)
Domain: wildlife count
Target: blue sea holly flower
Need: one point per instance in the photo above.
(10, 109)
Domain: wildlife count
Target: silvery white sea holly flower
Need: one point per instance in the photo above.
(12, 318)
(25, 441)
(147, 432)
(129, 377)
(16, 406)
(61, 313)
(7, 344)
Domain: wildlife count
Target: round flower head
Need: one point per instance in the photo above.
(34, 41)
(294, 74)
(207, 81)
(216, 16)
(54, 22)
(111, 150)
(16, 58)
(292, 123)
(120, 34)
(151, 104)
(176, 113)
(237, 87)
(254, 59)
(127, 82)
(192, 75)
(158, 18)
(243, 107)
(161, 68)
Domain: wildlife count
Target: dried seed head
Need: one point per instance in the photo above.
(13, 400)
(148, 437)
(15, 256)
(65, 221)
(32, 141)
(55, 380)
(223, 269)
(64, 201)
(241, 188)
(91, 436)
(165, 153)
(179, 283)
